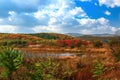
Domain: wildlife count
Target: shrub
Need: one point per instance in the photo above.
(10, 60)
(97, 43)
(49, 69)
(98, 69)
(116, 55)
(42, 70)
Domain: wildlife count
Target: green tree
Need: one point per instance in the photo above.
(98, 69)
(10, 60)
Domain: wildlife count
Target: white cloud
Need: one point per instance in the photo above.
(110, 3)
(52, 21)
(107, 13)
(89, 22)
(93, 26)
(1, 20)
(103, 21)
(51, 28)
(58, 17)
(78, 11)
(84, 26)
(85, 21)
(61, 16)
(8, 29)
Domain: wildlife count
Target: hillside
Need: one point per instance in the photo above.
(17, 40)
(24, 40)
(55, 36)
(91, 38)
(18, 36)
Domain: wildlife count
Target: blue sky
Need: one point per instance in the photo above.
(60, 16)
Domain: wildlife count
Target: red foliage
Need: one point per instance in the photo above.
(31, 43)
(72, 43)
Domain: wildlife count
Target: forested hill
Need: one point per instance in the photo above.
(55, 36)
(23, 40)
(7, 36)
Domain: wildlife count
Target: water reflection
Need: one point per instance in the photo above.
(53, 55)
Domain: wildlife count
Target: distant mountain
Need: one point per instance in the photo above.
(74, 34)
(51, 36)
(102, 35)
(99, 35)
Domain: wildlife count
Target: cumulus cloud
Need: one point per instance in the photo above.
(51, 28)
(61, 16)
(110, 3)
(91, 26)
(22, 19)
(84, 26)
(70, 19)
(107, 13)
(8, 29)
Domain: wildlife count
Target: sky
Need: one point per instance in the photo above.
(60, 16)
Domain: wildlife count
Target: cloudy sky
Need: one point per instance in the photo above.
(60, 16)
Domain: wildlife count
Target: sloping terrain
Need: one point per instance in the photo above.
(18, 36)
(55, 36)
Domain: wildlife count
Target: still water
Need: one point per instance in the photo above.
(53, 55)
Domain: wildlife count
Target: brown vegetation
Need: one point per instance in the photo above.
(92, 49)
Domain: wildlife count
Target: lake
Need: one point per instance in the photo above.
(52, 55)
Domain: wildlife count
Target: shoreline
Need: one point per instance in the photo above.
(50, 50)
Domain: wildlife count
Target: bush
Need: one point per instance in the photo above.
(97, 43)
(116, 55)
(98, 69)
(42, 70)
(10, 60)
